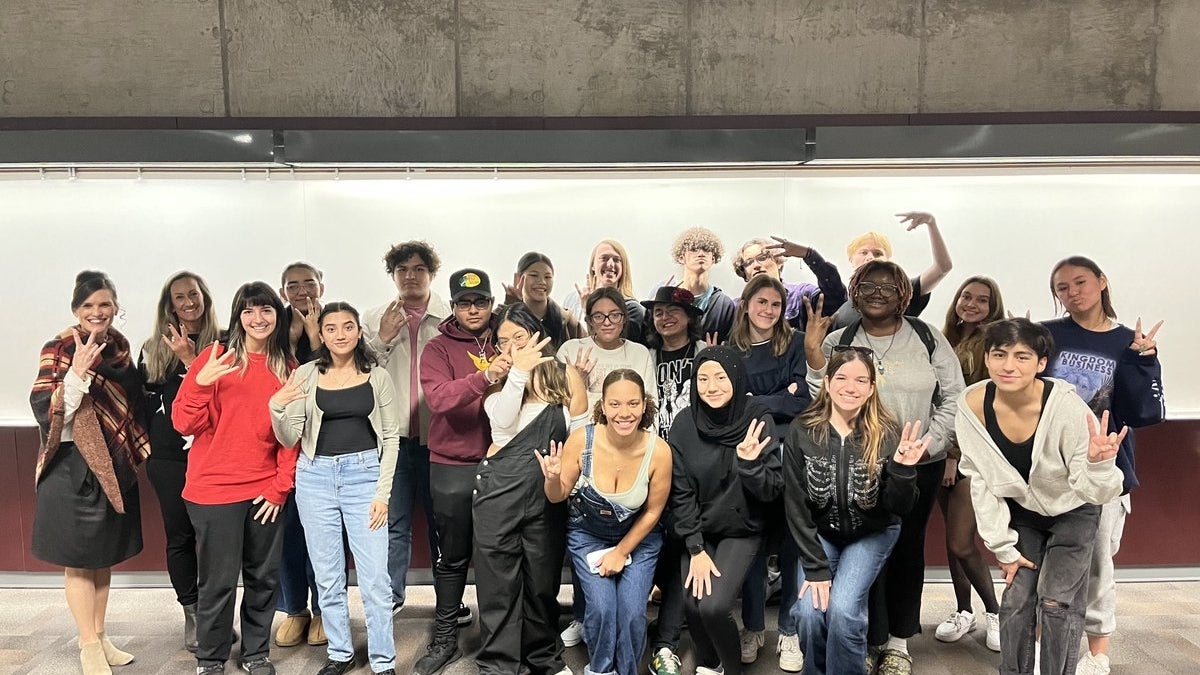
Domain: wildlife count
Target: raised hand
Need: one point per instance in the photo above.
(789, 248)
(817, 324)
(820, 593)
(711, 339)
(178, 341)
(914, 219)
(530, 356)
(1028, 315)
(584, 292)
(583, 361)
(290, 391)
(515, 292)
(1102, 445)
(750, 447)
(498, 369)
(309, 320)
(218, 365)
(912, 447)
(268, 510)
(551, 462)
(1145, 344)
(86, 353)
(391, 321)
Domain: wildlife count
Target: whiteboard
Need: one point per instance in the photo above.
(1011, 225)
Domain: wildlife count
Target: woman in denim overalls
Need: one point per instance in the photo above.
(623, 470)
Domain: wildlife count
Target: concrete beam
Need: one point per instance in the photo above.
(348, 58)
(572, 58)
(767, 56)
(999, 56)
(89, 58)
(1176, 83)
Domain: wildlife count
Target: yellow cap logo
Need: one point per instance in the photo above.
(469, 280)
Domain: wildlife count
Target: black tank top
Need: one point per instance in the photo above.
(1019, 455)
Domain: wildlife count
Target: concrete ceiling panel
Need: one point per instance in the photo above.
(1178, 61)
(775, 57)
(1026, 55)
(85, 58)
(572, 58)
(346, 58)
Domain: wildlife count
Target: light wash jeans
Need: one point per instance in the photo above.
(835, 641)
(331, 491)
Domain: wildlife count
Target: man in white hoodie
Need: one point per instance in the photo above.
(1036, 499)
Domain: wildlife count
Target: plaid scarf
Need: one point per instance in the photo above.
(106, 427)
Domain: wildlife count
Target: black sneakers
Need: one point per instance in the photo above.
(332, 667)
(438, 655)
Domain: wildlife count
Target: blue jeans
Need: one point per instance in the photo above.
(296, 581)
(754, 590)
(835, 641)
(614, 624)
(330, 492)
(410, 483)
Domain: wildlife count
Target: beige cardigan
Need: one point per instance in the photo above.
(300, 421)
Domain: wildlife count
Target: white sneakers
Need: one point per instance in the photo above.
(572, 634)
(1092, 664)
(752, 641)
(993, 630)
(955, 626)
(791, 659)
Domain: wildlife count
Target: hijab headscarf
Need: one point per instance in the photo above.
(726, 425)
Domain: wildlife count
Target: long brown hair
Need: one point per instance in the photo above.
(279, 349)
(874, 423)
(159, 358)
(781, 332)
(969, 347)
(1081, 261)
(548, 381)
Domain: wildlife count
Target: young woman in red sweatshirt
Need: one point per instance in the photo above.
(238, 477)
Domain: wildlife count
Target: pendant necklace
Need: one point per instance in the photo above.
(875, 351)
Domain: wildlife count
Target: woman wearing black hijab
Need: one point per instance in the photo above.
(725, 470)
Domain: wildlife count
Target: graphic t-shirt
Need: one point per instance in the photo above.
(674, 382)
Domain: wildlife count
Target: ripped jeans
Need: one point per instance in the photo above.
(1061, 547)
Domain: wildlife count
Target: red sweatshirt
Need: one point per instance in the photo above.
(454, 382)
(235, 456)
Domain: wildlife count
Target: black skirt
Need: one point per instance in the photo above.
(74, 525)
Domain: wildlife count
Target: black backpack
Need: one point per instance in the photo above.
(923, 331)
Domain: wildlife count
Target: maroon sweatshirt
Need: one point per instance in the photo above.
(453, 380)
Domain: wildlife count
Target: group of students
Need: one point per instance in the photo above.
(678, 442)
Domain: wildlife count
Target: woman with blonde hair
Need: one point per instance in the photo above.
(184, 318)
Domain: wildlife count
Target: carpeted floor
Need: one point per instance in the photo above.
(1159, 634)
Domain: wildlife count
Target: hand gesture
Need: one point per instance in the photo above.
(1101, 445)
(1145, 344)
(611, 563)
(268, 511)
(86, 353)
(950, 475)
(551, 462)
(1028, 315)
(583, 361)
(711, 339)
(789, 248)
(178, 341)
(308, 321)
(218, 365)
(820, 593)
(1010, 569)
(290, 391)
(377, 517)
(584, 291)
(914, 219)
(499, 367)
(515, 292)
(817, 324)
(391, 321)
(530, 356)
(701, 571)
(750, 447)
(912, 447)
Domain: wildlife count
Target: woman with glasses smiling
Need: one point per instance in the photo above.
(918, 379)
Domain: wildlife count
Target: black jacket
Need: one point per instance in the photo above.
(829, 491)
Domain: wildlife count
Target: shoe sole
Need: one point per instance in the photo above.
(792, 670)
(465, 620)
(458, 654)
(572, 643)
(939, 638)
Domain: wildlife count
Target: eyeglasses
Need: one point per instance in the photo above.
(294, 286)
(866, 288)
(478, 303)
(865, 351)
(761, 257)
(602, 318)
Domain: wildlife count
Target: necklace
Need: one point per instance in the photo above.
(341, 384)
(482, 361)
(875, 350)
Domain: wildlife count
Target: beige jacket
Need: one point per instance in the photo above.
(394, 356)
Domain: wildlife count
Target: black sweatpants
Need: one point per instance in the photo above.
(710, 619)
(451, 489)
(231, 541)
(167, 476)
(895, 599)
(520, 540)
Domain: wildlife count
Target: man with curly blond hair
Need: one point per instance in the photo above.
(697, 250)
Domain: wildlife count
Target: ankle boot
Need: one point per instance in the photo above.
(190, 641)
(114, 656)
(92, 661)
